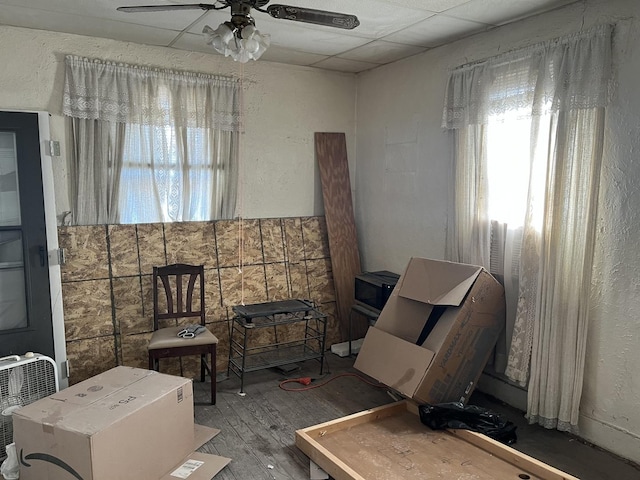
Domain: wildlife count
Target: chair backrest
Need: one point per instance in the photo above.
(177, 283)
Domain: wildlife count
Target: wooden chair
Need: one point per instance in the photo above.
(165, 342)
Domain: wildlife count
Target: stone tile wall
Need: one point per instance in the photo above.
(106, 282)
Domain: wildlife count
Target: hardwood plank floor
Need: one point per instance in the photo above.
(258, 429)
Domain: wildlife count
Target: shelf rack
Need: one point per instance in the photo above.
(310, 345)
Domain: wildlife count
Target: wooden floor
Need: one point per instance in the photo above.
(257, 429)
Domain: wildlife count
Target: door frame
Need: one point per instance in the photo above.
(51, 224)
(51, 228)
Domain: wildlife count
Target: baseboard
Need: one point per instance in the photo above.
(503, 390)
(609, 437)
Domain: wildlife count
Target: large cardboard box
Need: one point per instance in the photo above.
(436, 331)
(125, 423)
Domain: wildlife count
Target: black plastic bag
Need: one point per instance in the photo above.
(469, 417)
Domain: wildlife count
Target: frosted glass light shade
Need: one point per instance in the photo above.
(240, 43)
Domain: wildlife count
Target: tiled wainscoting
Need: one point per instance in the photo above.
(106, 282)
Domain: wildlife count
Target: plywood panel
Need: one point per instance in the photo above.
(331, 154)
(107, 284)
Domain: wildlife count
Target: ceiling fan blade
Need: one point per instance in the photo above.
(162, 8)
(318, 17)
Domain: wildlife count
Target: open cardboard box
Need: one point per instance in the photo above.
(122, 424)
(436, 331)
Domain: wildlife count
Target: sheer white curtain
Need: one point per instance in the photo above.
(96, 150)
(150, 145)
(177, 174)
(542, 243)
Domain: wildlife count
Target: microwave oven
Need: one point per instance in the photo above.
(373, 289)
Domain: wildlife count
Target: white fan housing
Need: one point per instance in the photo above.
(23, 380)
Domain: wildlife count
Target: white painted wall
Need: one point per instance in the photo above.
(403, 199)
(284, 106)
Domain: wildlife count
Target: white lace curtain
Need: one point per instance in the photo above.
(559, 90)
(565, 74)
(150, 145)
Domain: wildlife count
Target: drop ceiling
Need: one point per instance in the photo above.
(389, 29)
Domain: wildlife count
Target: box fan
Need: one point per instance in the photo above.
(23, 380)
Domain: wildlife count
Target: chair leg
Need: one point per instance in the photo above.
(152, 362)
(203, 361)
(213, 374)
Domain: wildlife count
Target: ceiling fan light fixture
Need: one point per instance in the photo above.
(239, 38)
(219, 38)
(255, 42)
(240, 42)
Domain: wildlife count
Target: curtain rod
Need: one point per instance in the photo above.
(602, 29)
(151, 69)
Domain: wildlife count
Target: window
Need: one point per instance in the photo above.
(515, 188)
(529, 129)
(508, 167)
(157, 183)
(151, 145)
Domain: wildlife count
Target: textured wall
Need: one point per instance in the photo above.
(106, 281)
(403, 196)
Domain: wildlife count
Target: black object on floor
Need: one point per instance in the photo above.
(288, 368)
(468, 417)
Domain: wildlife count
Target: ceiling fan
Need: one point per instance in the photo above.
(239, 37)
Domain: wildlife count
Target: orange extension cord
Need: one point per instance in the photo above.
(306, 381)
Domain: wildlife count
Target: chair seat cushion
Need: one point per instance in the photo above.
(168, 338)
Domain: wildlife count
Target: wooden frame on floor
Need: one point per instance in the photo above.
(389, 442)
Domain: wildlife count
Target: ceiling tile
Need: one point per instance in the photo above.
(381, 52)
(294, 57)
(321, 43)
(344, 65)
(377, 18)
(106, 9)
(436, 30)
(436, 6)
(499, 12)
(193, 42)
(213, 19)
(76, 24)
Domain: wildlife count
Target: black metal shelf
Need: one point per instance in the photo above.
(279, 319)
(282, 355)
(310, 346)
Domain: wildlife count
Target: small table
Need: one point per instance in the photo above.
(309, 345)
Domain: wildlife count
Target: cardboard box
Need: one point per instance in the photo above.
(122, 424)
(436, 331)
